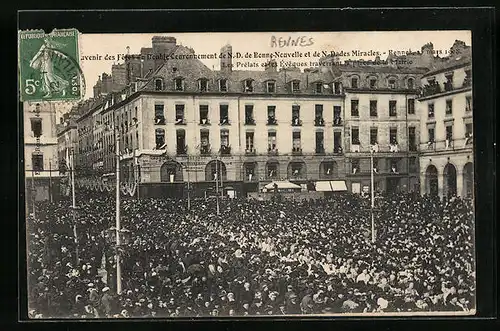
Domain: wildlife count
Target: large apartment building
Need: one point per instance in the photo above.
(178, 121)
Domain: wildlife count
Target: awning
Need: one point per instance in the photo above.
(282, 185)
(331, 186)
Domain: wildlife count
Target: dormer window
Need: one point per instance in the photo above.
(179, 84)
(392, 83)
(158, 84)
(271, 86)
(203, 85)
(295, 86)
(354, 82)
(223, 85)
(248, 85)
(411, 83)
(318, 87)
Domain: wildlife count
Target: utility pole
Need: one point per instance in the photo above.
(372, 198)
(217, 183)
(188, 188)
(73, 198)
(117, 225)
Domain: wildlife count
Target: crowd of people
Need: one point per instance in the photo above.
(254, 258)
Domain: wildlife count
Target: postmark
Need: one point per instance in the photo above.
(49, 68)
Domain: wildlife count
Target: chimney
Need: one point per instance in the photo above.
(162, 46)
(226, 61)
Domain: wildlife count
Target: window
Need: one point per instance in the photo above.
(36, 126)
(205, 142)
(158, 84)
(355, 135)
(355, 166)
(337, 88)
(449, 107)
(318, 87)
(271, 141)
(392, 108)
(411, 106)
(375, 165)
(271, 87)
(159, 114)
(203, 85)
(271, 115)
(224, 114)
(393, 136)
(449, 132)
(272, 170)
(179, 84)
(337, 115)
(160, 139)
(223, 85)
(337, 142)
(295, 86)
(394, 165)
(468, 130)
(296, 115)
(430, 110)
(354, 82)
(392, 83)
(468, 78)
(249, 119)
(412, 140)
(355, 108)
(296, 169)
(412, 164)
(224, 142)
(296, 146)
(248, 85)
(318, 112)
(468, 103)
(204, 114)
(411, 83)
(179, 114)
(431, 135)
(249, 139)
(373, 83)
(448, 85)
(181, 142)
(37, 161)
(320, 148)
(373, 108)
(373, 136)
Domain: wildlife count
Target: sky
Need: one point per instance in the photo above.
(100, 45)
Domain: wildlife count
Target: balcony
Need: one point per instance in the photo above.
(413, 147)
(224, 121)
(467, 82)
(431, 89)
(249, 121)
(181, 150)
(159, 120)
(319, 121)
(272, 152)
(205, 150)
(320, 151)
(204, 121)
(394, 148)
(272, 121)
(448, 86)
(296, 122)
(225, 150)
(337, 150)
(296, 151)
(250, 152)
(355, 148)
(337, 121)
(374, 148)
(180, 121)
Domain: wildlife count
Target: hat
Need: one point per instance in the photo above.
(105, 289)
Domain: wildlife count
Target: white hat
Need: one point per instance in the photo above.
(382, 303)
(105, 289)
(90, 284)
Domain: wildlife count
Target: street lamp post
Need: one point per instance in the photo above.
(73, 205)
(217, 183)
(117, 215)
(372, 198)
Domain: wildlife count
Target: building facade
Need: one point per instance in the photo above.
(40, 151)
(177, 122)
(445, 107)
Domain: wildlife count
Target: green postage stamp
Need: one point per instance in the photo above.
(49, 68)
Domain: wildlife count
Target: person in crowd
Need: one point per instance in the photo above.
(255, 258)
